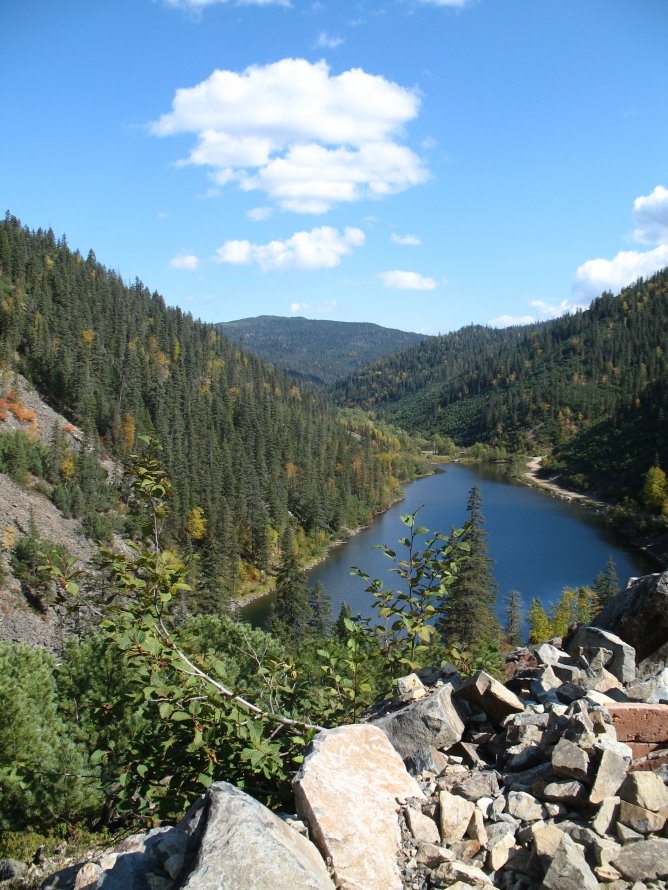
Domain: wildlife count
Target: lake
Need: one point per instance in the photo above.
(539, 543)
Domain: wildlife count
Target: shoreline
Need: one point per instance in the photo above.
(533, 466)
(236, 605)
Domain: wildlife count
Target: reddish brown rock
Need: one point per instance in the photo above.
(640, 724)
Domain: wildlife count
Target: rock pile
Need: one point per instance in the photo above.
(555, 780)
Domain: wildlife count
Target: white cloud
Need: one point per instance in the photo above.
(406, 240)
(298, 307)
(651, 216)
(186, 261)
(627, 266)
(259, 214)
(328, 41)
(321, 248)
(198, 5)
(407, 280)
(455, 4)
(307, 138)
(651, 220)
(506, 321)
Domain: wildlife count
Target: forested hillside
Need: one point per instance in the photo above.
(249, 451)
(318, 350)
(534, 385)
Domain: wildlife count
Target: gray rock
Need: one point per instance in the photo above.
(627, 835)
(644, 789)
(423, 829)
(571, 793)
(246, 847)
(10, 868)
(604, 820)
(610, 775)
(524, 807)
(639, 614)
(477, 784)
(653, 690)
(643, 861)
(426, 759)
(432, 721)
(495, 700)
(548, 654)
(570, 761)
(639, 819)
(568, 869)
(623, 661)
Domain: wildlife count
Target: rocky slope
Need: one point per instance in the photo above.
(555, 779)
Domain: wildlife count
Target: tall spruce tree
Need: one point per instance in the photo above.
(469, 609)
(513, 628)
(291, 610)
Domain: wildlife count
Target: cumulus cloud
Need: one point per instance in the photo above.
(650, 214)
(407, 280)
(321, 248)
(651, 217)
(406, 240)
(186, 261)
(328, 41)
(305, 137)
(299, 307)
(627, 266)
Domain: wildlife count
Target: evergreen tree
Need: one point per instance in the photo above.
(469, 609)
(291, 610)
(340, 627)
(321, 610)
(606, 584)
(513, 628)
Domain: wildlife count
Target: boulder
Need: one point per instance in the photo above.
(639, 614)
(347, 790)
(622, 660)
(10, 868)
(245, 846)
(610, 775)
(455, 815)
(644, 790)
(495, 700)
(653, 690)
(645, 860)
(568, 869)
(570, 761)
(639, 819)
(432, 721)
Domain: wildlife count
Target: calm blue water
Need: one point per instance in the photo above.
(540, 544)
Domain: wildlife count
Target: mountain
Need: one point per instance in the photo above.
(529, 386)
(250, 452)
(315, 350)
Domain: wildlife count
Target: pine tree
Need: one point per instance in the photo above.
(513, 628)
(340, 626)
(291, 610)
(469, 610)
(606, 584)
(321, 610)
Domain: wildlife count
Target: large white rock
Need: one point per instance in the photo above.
(246, 847)
(347, 790)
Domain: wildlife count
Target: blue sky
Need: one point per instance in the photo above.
(422, 164)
